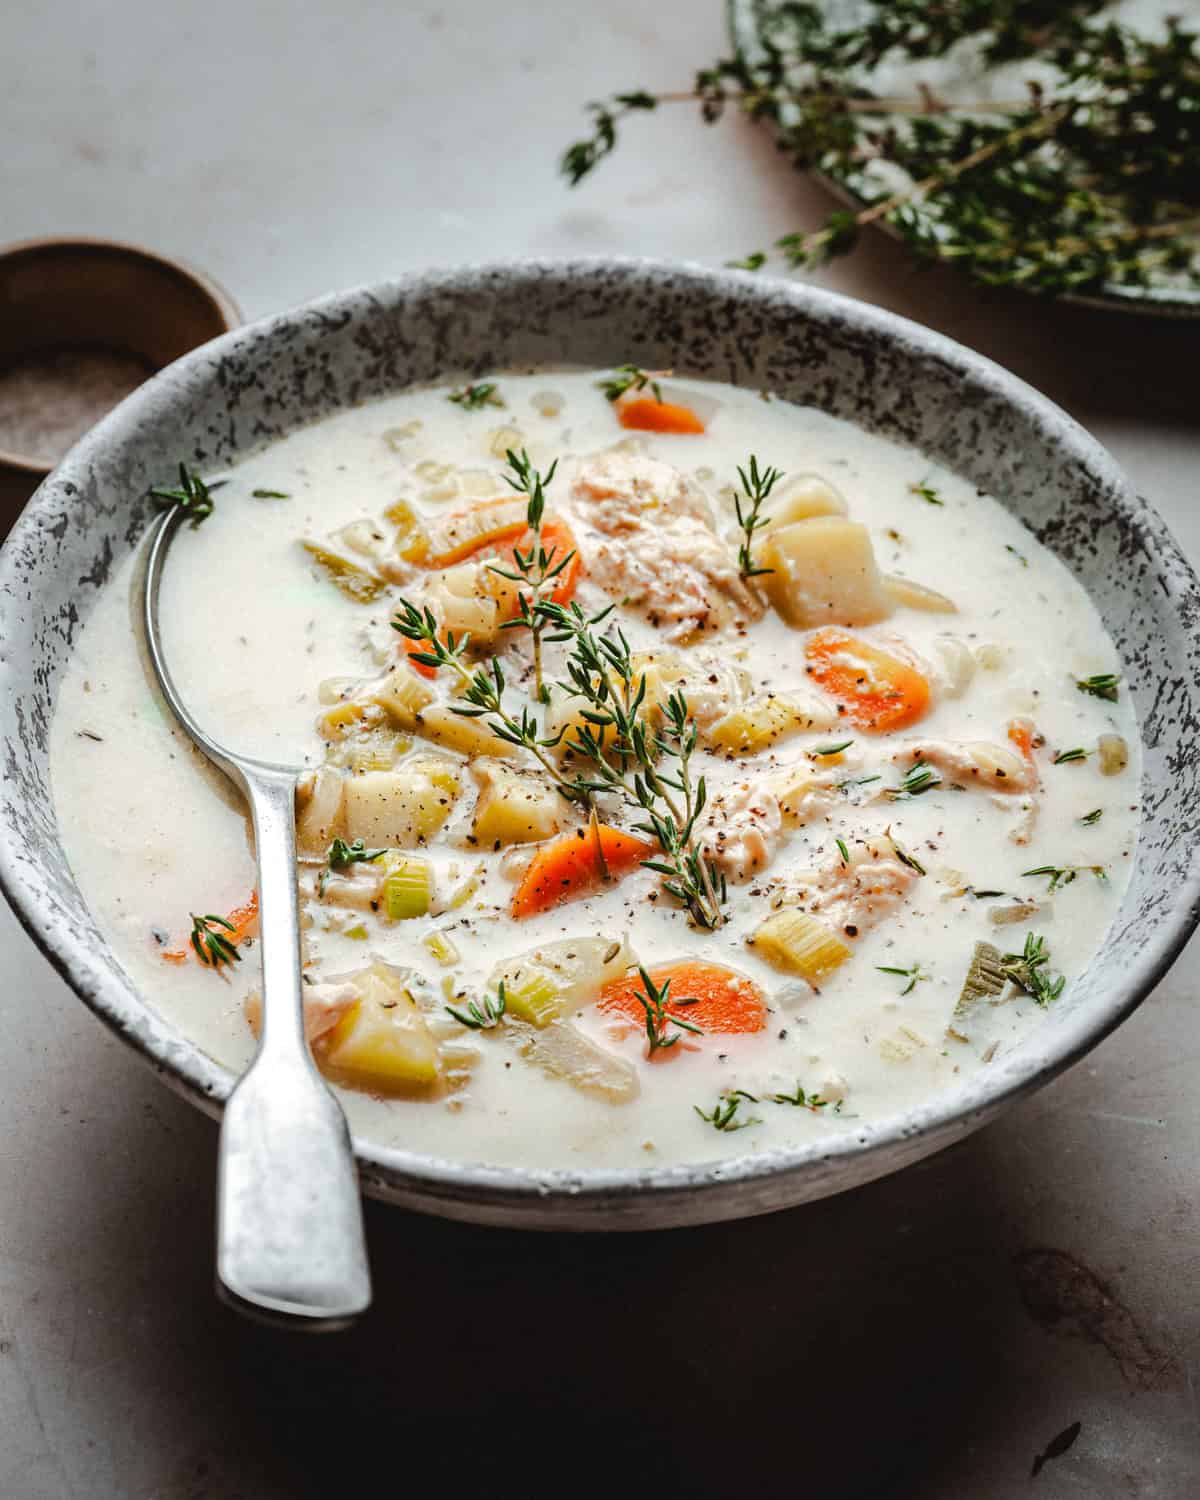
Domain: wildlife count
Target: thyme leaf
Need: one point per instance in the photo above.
(724, 1114)
(1027, 970)
(914, 976)
(212, 946)
(481, 1017)
(475, 397)
(630, 378)
(192, 496)
(1102, 685)
(926, 492)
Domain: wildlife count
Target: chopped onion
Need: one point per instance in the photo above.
(547, 403)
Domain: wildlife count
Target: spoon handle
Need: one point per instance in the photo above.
(290, 1242)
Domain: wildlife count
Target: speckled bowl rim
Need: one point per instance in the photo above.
(653, 1196)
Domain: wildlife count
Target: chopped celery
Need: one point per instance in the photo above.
(407, 889)
(442, 948)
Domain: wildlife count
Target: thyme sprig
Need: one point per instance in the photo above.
(1102, 685)
(343, 855)
(1065, 757)
(1090, 180)
(475, 397)
(630, 378)
(1028, 972)
(212, 946)
(724, 1114)
(914, 976)
(535, 568)
(757, 485)
(1065, 874)
(654, 1002)
(919, 778)
(192, 496)
(482, 1017)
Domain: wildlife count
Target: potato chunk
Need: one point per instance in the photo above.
(560, 976)
(823, 573)
(470, 737)
(401, 808)
(382, 1043)
(319, 810)
(514, 808)
(801, 498)
(767, 719)
(402, 695)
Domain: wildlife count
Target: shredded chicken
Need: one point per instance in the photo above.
(650, 542)
(324, 1007)
(741, 829)
(1004, 772)
(852, 896)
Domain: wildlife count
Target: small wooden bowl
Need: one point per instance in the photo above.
(86, 294)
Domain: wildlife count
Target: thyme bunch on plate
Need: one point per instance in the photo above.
(1087, 178)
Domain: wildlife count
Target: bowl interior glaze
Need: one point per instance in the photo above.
(854, 361)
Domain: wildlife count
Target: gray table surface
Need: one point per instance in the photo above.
(924, 1336)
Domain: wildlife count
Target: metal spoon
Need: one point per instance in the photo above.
(290, 1243)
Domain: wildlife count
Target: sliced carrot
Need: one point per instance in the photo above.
(876, 689)
(243, 919)
(717, 999)
(558, 541)
(411, 648)
(645, 414)
(569, 866)
(1022, 733)
(487, 524)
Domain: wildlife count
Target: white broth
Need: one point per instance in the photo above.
(894, 856)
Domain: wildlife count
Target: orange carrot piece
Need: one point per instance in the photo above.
(725, 1002)
(411, 648)
(645, 414)
(569, 866)
(558, 540)
(876, 690)
(1021, 732)
(464, 532)
(243, 919)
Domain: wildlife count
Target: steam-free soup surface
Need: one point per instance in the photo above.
(910, 714)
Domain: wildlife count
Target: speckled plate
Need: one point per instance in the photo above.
(810, 346)
(1165, 295)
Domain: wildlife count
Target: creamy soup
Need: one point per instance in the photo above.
(919, 769)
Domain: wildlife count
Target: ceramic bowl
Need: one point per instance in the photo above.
(809, 346)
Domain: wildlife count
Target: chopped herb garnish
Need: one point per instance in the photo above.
(832, 749)
(474, 397)
(801, 1100)
(213, 947)
(270, 495)
(723, 1115)
(752, 262)
(654, 1002)
(904, 856)
(343, 855)
(926, 492)
(1065, 757)
(192, 496)
(1065, 874)
(1020, 556)
(482, 1018)
(1103, 685)
(914, 976)
(843, 851)
(1026, 970)
(917, 779)
(630, 378)
(1093, 817)
(756, 486)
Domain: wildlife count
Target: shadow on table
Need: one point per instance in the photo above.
(854, 1343)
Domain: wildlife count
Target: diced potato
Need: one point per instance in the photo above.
(823, 573)
(400, 808)
(801, 498)
(470, 737)
(383, 1043)
(465, 607)
(514, 808)
(363, 538)
(562, 1051)
(344, 718)
(402, 695)
(319, 809)
(1113, 754)
(766, 720)
(797, 943)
